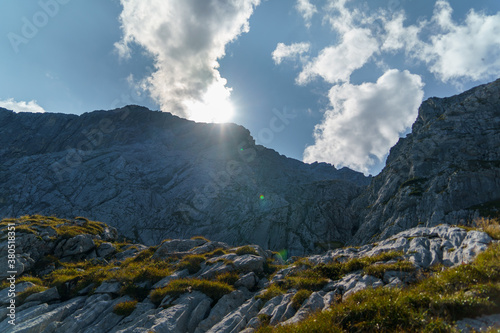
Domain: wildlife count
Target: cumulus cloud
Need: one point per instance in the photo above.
(453, 51)
(283, 51)
(465, 51)
(307, 10)
(186, 39)
(21, 106)
(337, 63)
(366, 120)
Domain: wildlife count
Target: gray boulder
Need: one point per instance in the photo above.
(77, 245)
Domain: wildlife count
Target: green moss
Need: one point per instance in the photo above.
(125, 308)
(213, 289)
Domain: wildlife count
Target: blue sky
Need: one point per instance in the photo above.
(336, 81)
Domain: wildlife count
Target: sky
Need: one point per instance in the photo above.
(336, 81)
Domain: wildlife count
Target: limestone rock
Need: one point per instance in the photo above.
(248, 281)
(77, 245)
(45, 296)
(238, 319)
(224, 306)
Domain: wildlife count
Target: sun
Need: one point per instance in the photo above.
(215, 106)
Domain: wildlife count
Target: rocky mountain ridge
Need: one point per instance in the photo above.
(154, 175)
(74, 276)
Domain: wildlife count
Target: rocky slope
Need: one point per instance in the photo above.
(445, 171)
(153, 175)
(74, 276)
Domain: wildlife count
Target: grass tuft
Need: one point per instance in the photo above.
(191, 262)
(490, 226)
(125, 308)
(213, 289)
(246, 250)
(299, 298)
(21, 297)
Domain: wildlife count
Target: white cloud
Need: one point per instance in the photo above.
(22, 106)
(336, 63)
(400, 37)
(465, 51)
(186, 39)
(453, 51)
(283, 51)
(307, 10)
(366, 120)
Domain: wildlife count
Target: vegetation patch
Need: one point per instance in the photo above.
(229, 278)
(431, 305)
(217, 252)
(125, 308)
(21, 297)
(271, 292)
(128, 273)
(299, 298)
(31, 279)
(200, 238)
(213, 289)
(191, 262)
(378, 270)
(62, 227)
(246, 250)
(491, 226)
(337, 270)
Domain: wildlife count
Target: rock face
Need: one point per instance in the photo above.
(155, 176)
(439, 173)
